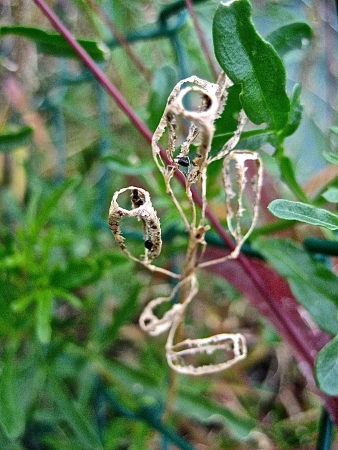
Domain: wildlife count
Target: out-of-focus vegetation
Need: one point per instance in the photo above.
(76, 372)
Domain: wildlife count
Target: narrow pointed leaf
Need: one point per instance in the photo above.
(54, 44)
(71, 413)
(289, 177)
(251, 61)
(295, 114)
(290, 37)
(13, 138)
(289, 210)
(44, 316)
(12, 415)
(331, 157)
(50, 204)
(331, 194)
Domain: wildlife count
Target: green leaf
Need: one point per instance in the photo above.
(334, 129)
(331, 157)
(331, 194)
(12, 415)
(12, 138)
(252, 62)
(121, 165)
(203, 409)
(290, 37)
(49, 205)
(72, 415)
(289, 210)
(295, 114)
(64, 295)
(78, 273)
(255, 139)
(22, 302)
(228, 121)
(122, 315)
(44, 316)
(326, 368)
(54, 44)
(188, 402)
(312, 283)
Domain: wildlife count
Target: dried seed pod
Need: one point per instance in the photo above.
(236, 188)
(142, 208)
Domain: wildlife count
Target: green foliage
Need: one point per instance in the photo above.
(326, 368)
(53, 44)
(14, 137)
(289, 210)
(12, 413)
(312, 283)
(251, 62)
(290, 37)
(331, 157)
(331, 195)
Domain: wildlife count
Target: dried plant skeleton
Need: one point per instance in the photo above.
(242, 171)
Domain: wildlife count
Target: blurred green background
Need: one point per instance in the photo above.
(76, 370)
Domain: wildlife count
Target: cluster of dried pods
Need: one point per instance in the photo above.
(192, 158)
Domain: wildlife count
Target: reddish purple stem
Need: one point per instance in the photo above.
(288, 327)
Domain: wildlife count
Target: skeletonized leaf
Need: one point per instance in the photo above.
(54, 44)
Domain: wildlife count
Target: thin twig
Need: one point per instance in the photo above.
(122, 40)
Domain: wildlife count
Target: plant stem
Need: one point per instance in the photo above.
(295, 338)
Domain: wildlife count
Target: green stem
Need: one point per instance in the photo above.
(288, 174)
(325, 431)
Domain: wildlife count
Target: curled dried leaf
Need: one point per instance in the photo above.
(154, 325)
(242, 172)
(200, 131)
(236, 209)
(142, 209)
(189, 356)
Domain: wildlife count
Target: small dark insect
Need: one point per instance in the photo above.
(148, 244)
(136, 199)
(183, 161)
